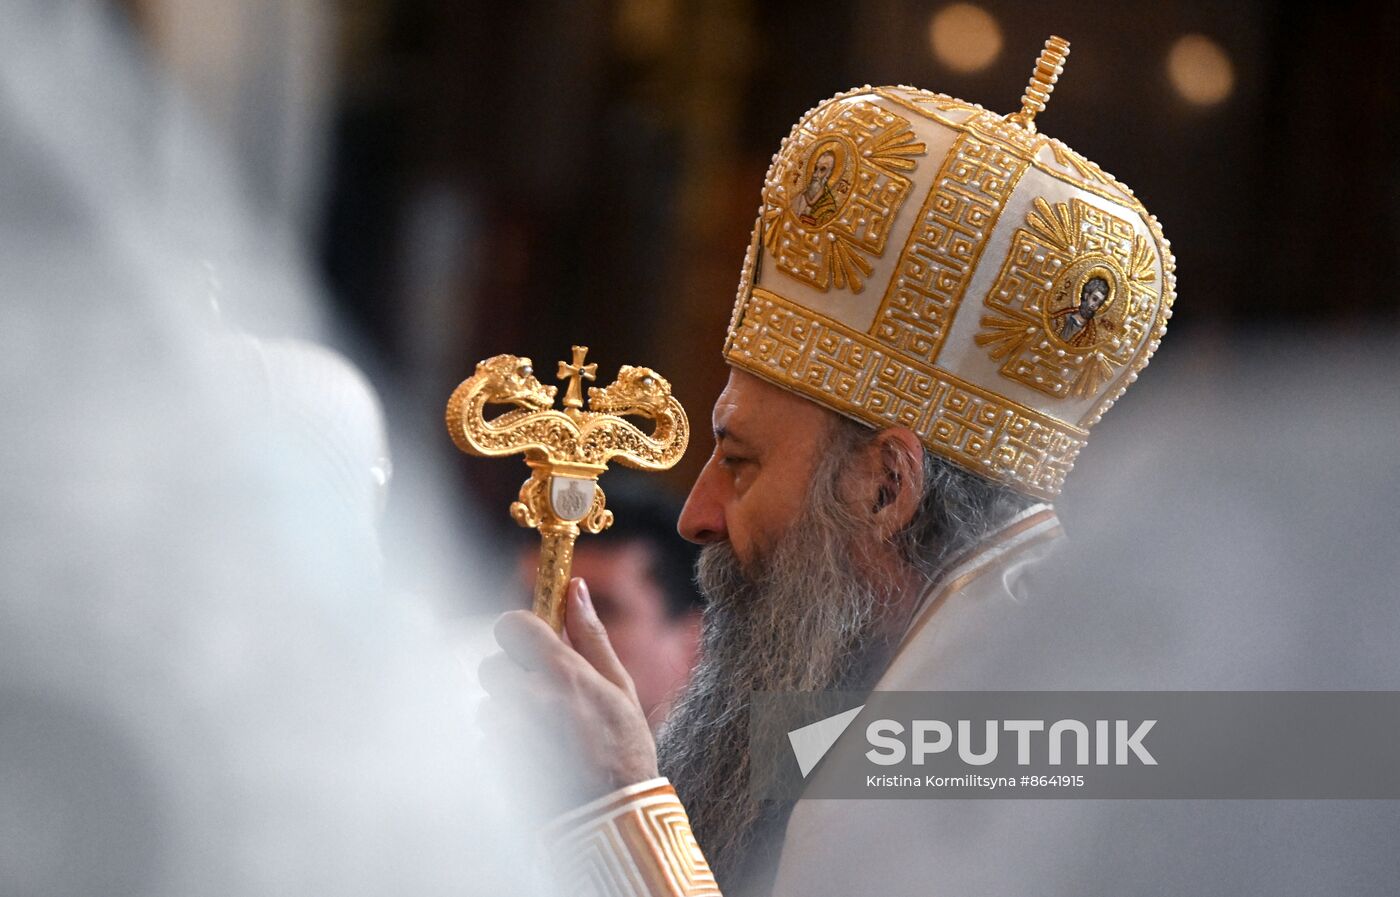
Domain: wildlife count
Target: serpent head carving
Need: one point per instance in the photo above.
(636, 390)
(510, 380)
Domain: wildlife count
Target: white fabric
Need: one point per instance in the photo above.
(992, 634)
(929, 846)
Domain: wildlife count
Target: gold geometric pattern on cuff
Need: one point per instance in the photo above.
(634, 843)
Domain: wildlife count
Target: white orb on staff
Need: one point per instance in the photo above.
(566, 450)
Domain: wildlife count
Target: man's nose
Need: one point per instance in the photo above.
(702, 518)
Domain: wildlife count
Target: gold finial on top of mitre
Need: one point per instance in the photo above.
(1048, 68)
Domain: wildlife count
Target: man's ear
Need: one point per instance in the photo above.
(899, 485)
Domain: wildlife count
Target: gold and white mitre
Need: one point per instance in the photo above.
(920, 261)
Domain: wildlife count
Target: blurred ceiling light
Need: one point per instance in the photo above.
(1200, 70)
(644, 27)
(964, 37)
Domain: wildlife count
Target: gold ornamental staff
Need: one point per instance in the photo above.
(565, 450)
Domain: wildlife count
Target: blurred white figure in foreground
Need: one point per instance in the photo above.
(204, 687)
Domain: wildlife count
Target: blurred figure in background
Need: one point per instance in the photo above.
(639, 572)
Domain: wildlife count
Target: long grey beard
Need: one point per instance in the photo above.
(803, 620)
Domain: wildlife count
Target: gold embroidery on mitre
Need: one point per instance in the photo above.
(834, 191)
(996, 128)
(1074, 300)
(1045, 153)
(1086, 173)
(939, 107)
(850, 372)
(945, 245)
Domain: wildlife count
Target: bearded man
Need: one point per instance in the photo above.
(881, 471)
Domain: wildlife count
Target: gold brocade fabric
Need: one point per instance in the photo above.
(635, 842)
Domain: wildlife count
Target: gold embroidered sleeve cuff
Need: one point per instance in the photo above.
(635, 842)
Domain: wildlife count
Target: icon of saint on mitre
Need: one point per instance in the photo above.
(1079, 324)
(820, 200)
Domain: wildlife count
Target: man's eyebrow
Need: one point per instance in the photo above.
(724, 433)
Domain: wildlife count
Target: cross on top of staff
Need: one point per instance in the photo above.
(575, 373)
